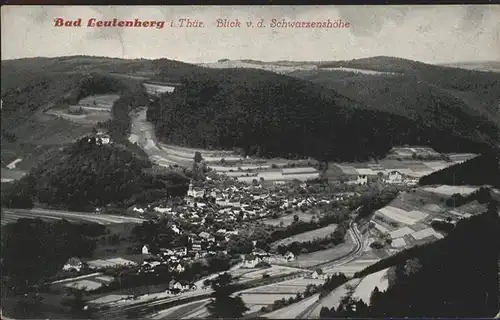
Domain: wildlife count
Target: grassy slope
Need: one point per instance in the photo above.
(474, 92)
(32, 85)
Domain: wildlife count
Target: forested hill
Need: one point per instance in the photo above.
(88, 174)
(482, 170)
(277, 115)
(32, 84)
(456, 277)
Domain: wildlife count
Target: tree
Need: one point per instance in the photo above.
(197, 157)
(412, 266)
(375, 295)
(324, 313)
(295, 218)
(76, 302)
(223, 305)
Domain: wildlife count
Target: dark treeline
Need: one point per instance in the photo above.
(482, 170)
(119, 126)
(333, 239)
(369, 203)
(33, 250)
(482, 195)
(88, 174)
(300, 226)
(453, 277)
(259, 111)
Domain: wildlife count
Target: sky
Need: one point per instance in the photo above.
(431, 34)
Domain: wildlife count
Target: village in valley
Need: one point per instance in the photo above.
(347, 184)
(266, 233)
(284, 230)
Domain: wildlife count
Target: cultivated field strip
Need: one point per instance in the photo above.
(307, 236)
(402, 216)
(368, 283)
(15, 214)
(294, 310)
(450, 190)
(331, 300)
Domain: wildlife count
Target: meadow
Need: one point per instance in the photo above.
(307, 236)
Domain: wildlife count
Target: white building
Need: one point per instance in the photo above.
(73, 264)
(195, 193)
(395, 177)
(145, 249)
(362, 179)
(289, 256)
(250, 261)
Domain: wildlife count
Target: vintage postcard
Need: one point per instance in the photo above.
(271, 162)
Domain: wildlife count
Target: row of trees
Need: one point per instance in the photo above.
(34, 250)
(481, 170)
(335, 238)
(338, 216)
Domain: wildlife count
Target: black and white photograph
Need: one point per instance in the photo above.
(250, 162)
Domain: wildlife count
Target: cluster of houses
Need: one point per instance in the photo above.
(393, 177)
(252, 260)
(240, 203)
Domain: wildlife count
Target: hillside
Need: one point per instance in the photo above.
(31, 87)
(35, 83)
(490, 66)
(355, 116)
(88, 174)
(477, 171)
(259, 110)
(453, 277)
(414, 86)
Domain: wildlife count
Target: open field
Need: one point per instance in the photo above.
(178, 312)
(39, 135)
(366, 286)
(12, 175)
(422, 234)
(48, 130)
(262, 300)
(401, 232)
(408, 218)
(288, 219)
(450, 190)
(307, 236)
(318, 257)
(290, 286)
(273, 67)
(253, 274)
(12, 215)
(294, 310)
(91, 109)
(158, 89)
(331, 300)
(350, 268)
(115, 262)
(104, 101)
(208, 155)
(362, 71)
(278, 175)
(412, 168)
(402, 216)
(88, 118)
